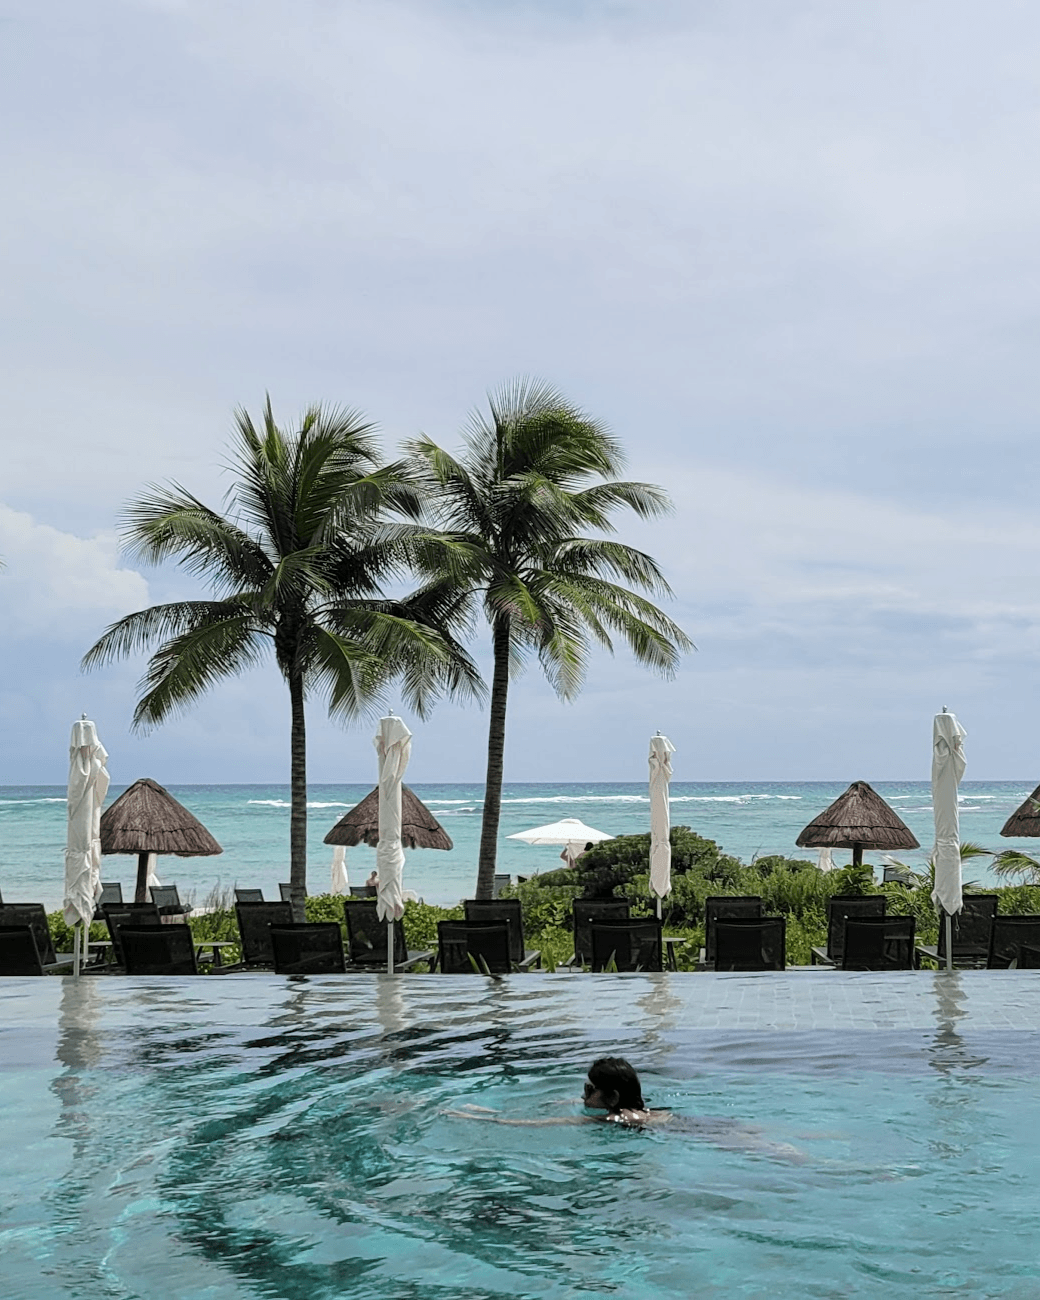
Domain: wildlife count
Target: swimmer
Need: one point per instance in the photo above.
(613, 1086)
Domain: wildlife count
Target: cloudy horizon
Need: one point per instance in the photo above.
(785, 251)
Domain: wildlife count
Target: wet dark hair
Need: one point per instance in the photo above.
(614, 1074)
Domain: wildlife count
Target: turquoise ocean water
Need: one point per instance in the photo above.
(251, 822)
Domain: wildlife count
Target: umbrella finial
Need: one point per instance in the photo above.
(945, 709)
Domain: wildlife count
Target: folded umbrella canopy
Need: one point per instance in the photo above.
(88, 785)
(661, 751)
(393, 742)
(948, 763)
(569, 831)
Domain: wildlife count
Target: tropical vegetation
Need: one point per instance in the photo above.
(512, 516)
(298, 565)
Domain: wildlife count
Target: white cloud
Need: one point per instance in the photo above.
(60, 586)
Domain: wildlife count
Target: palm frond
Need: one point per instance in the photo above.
(185, 667)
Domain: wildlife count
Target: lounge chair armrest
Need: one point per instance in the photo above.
(819, 957)
(530, 959)
(413, 959)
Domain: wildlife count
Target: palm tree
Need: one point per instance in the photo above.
(296, 565)
(511, 512)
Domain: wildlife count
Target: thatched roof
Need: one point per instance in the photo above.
(419, 828)
(860, 817)
(1025, 820)
(148, 819)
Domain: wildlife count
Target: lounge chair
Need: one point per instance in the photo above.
(972, 929)
(724, 907)
(746, 943)
(483, 910)
(158, 950)
(585, 912)
(312, 948)
(632, 945)
(111, 895)
(19, 953)
(254, 930)
(878, 943)
(138, 915)
(285, 893)
(34, 915)
(367, 935)
(474, 947)
(502, 881)
(1028, 957)
(249, 895)
(363, 891)
(168, 900)
(1009, 934)
(839, 908)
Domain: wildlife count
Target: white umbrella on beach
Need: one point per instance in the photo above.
(572, 833)
(393, 742)
(948, 763)
(339, 869)
(88, 785)
(661, 751)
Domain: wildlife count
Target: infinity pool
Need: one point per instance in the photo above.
(251, 1136)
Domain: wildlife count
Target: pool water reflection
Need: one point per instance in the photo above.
(255, 1136)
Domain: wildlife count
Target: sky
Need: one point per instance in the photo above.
(786, 251)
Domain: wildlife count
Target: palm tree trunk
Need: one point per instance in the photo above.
(495, 763)
(298, 800)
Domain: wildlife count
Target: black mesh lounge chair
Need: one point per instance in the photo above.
(33, 915)
(747, 943)
(1028, 957)
(19, 954)
(254, 929)
(285, 893)
(366, 939)
(483, 910)
(139, 915)
(586, 911)
(1009, 933)
(168, 900)
(626, 945)
(158, 950)
(502, 881)
(839, 908)
(111, 894)
(363, 891)
(725, 907)
(971, 927)
(312, 948)
(249, 895)
(878, 943)
(474, 947)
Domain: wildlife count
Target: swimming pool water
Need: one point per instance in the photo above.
(253, 1136)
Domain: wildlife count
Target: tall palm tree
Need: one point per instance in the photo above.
(296, 565)
(512, 511)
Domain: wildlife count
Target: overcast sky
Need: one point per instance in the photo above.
(787, 250)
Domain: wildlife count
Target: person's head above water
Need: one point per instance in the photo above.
(613, 1085)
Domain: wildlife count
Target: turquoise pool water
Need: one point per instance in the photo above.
(258, 1137)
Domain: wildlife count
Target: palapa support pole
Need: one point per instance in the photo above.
(141, 890)
(857, 855)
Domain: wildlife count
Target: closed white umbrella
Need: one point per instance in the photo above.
(948, 763)
(661, 751)
(393, 742)
(571, 832)
(88, 785)
(825, 860)
(339, 869)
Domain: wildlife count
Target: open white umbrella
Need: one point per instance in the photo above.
(569, 831)
(393, 742)
(339, 869)
(88, 785)
(948, 763)
(661, 751)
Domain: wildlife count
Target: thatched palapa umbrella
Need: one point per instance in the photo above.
(1025, 820)
(419, 828)
(147, 819)
(860, 819)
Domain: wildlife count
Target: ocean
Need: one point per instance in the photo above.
(251, 822)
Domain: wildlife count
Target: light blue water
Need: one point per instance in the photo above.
(262, 1137)
(252, 825)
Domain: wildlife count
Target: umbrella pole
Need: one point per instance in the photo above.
(141, 891)
(948, 922)
(75, 949)
(390, 946)
(658, 907)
